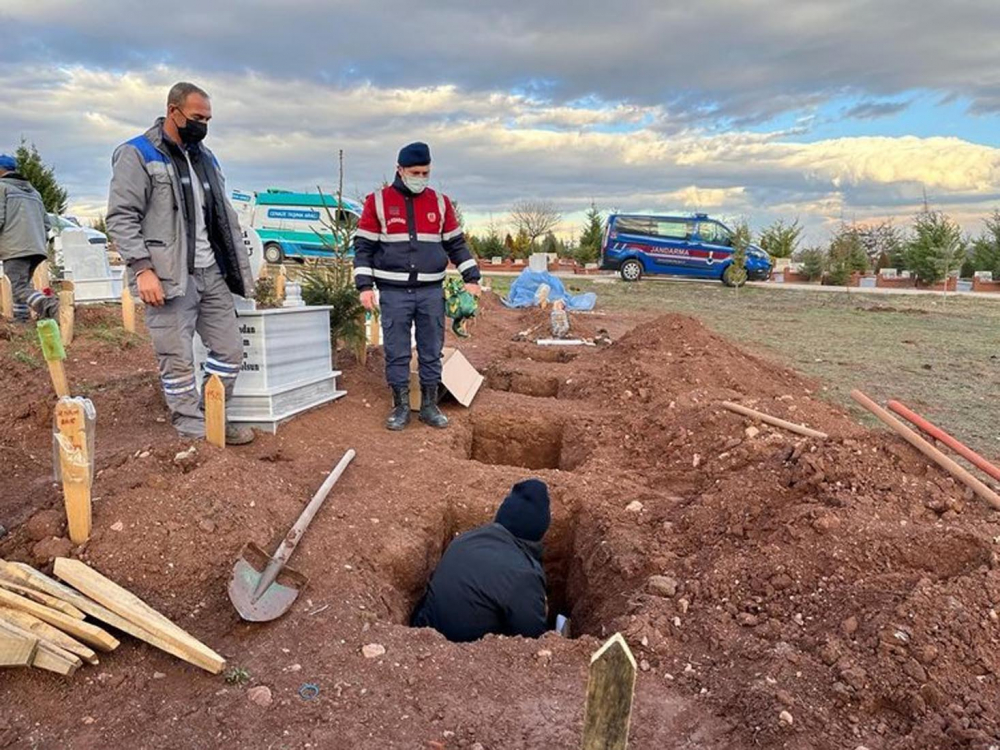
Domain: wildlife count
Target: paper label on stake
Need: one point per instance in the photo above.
(74, 461)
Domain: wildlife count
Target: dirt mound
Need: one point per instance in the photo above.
(752, 571)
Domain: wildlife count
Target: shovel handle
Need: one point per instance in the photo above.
(287, 546)
(294, 534)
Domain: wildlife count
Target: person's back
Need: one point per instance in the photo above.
(22, 232)
(490, 579)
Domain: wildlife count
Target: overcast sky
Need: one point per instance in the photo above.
(759, 108)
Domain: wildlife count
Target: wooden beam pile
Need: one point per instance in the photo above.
(48, 625)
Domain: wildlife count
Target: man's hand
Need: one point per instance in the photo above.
(473, 289)
(150, 288)
(368, 299)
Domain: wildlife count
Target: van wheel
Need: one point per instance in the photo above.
(734, 276)
(631, 270)
(273, 253)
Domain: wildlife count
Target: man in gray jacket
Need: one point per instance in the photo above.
(24, 229)
(174, 227)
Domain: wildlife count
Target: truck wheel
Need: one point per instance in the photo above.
(631, 270)
(734, 276)
(273, 253)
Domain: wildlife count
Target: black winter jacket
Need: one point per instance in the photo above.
(488, 581)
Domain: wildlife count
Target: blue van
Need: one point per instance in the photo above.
(695, 246)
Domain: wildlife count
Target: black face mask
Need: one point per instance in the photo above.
(193, 132)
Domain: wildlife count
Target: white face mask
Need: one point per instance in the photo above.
(415, 185)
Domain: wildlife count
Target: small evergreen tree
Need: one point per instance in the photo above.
(590, 241)
(550, 244)
(986, 247)
(735, 274)
(522, 245)
(42, 177)
(99, 224)
(781, 240)
(813, 263)
(936, 247)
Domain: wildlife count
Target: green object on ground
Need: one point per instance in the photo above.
(52, 346)
(459, 305)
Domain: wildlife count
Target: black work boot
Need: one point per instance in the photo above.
(400, 415)
(429, 412)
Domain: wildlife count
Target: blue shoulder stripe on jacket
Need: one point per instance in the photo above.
(146, 148)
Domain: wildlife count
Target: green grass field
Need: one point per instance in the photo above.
(939, 356)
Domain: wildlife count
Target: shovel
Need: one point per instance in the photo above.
(260, 597)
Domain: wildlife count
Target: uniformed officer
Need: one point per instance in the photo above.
(406, 236)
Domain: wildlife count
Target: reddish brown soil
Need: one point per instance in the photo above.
(844, 582)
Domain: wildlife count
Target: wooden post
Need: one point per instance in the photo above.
(54, 353)
(16, 650)
(767, 418)
(74, 463)
(215, 412)
(67, 311)
(40, 279)
(362, 352)
(375, 330)
(6, 298)
(609, 696)
(279, 283)
(128, 309)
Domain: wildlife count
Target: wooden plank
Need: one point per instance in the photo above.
(48, 657)
(928, 450)
(784, 424)
(131, 607)
(215, 412)
(67, 315)
(32, 577)
(6, 298)
(74, 462)
(279, 283)
(84, 631)
(128, 309)
(610, 687)
(17, 650)
(45, 632)
(40, 279)
(42, 598)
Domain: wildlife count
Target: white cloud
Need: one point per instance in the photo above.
(492, 147)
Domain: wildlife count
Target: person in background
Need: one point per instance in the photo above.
(24, 231)
(490, 579)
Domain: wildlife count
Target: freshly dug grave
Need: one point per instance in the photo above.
(752, 572)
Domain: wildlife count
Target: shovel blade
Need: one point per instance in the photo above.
(274, 601)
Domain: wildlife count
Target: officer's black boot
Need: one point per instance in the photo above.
(400, 415)
(429, 412)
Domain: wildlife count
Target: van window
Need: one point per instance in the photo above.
(714, 234)
(634, 225)
(674, 230)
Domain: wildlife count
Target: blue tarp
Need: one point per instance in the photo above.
(522, 292)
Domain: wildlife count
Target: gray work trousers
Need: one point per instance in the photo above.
(206, 307)
(19, 271)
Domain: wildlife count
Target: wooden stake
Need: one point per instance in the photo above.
(215, 412)
(90, 634)
(375, 330)
(279, 283)
(67, 315)
(362, 345)
(132, 608)
(45, 632)
(36, 579)
(42, 598)
(128, 309)
(6, 298)
(54, 353)
(48, 657)
(928, 450)
(610, 687)
(790, 426)
(17, 650)
(74, 463)
(40, 279)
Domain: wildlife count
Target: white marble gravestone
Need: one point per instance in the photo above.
(85, 263)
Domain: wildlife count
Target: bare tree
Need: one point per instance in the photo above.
(535, 217)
